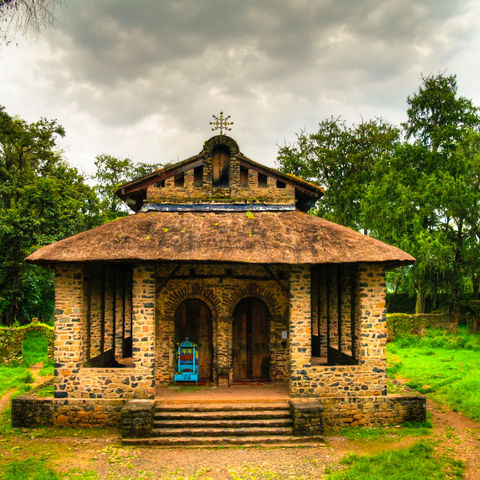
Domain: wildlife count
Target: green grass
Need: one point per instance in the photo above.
(414, 463)
(413, 429)
(36, 469)
(15, 377)
(34, 348)
(444, 365)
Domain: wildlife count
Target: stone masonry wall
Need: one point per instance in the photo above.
(221, 292)
(344, 411)
(368, 378)
(167, 192)
(72, 378)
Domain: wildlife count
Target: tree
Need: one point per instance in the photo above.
(27, 16)
(425, 198)
(112, 172)
(341, 159)
(42, 200)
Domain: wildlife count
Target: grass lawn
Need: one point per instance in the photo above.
(444, 365)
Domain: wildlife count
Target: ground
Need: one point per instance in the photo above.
(448, 449)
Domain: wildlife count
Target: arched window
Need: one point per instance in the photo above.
(221, 166)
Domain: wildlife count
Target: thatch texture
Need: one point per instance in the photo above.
(265, 237)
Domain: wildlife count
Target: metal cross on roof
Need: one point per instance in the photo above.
(221, 123)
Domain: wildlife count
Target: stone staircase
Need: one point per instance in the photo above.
(198, 424)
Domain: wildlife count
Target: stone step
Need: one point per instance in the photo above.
(247, 441)
(222, 423)
(222, 414)
(221, 432)
(210, 407)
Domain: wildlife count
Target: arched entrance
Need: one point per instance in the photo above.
(251, 332)
(193, 319)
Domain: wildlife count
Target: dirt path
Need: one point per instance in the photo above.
(458, 434)
(37, 380)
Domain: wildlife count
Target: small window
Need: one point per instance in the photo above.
(243, 177)
(262, 180)
(281, 184)
(161, 184)
(198, 176)
(180, 180)
(221, 166)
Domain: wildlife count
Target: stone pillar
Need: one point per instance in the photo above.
(300, 324)
(372, 335)
(322, 293)
(224, 351)
(70, 326)
(332, 285)
(95, 311)
(119, 310)
(109, 307)
(346, 309)
(143, 334)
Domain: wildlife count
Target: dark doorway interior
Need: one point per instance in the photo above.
(251, 355)
(193, 320)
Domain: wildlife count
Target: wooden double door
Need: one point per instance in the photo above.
(193, 320)
(250, 341)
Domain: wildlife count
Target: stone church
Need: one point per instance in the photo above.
(285, 307)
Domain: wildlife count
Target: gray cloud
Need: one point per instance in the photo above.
(275, 65)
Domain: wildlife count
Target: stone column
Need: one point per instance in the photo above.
(372, 334)
(70, 326)
(143, 332)
(300, 326)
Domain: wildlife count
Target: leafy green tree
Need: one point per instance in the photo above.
(112, 172)
(424, 198)
(42, 200)
(341, 159)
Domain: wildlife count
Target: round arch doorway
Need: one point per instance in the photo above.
(193, 320)
(250, 339)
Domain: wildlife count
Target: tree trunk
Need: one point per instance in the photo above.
(420, 301)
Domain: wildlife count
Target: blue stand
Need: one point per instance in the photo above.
(187, 362)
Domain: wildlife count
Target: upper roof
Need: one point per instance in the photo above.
(219, 156)
(290, 237)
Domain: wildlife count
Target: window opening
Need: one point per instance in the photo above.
(198, 176)
(243, 177)
(179, 180)
(281, 184)
(262, 180)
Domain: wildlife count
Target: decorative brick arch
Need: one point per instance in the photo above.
(176, 297)
(229, 142)
(254, 290)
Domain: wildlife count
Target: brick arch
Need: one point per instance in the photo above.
(254, 290)
(229, 142)
(176, 297)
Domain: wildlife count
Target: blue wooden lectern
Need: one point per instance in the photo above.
(187, 362)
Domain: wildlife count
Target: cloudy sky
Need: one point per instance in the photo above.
(142, 78)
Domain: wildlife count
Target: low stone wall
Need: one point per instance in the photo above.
(31, 411)
(373, 411)
(307, 415)
(417, 323)
(137, 418)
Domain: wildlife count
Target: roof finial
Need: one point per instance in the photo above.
(221, 123)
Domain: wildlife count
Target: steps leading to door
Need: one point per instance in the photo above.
(213, 424)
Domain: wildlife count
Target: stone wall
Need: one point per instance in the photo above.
(32, 411)
(369, 411)
(72, 378)
(399, 324)
(166, 191)
(220, 287)
(368, 377)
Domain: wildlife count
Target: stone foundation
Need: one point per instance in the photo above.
(373, 411)
(137, 418)
(307, 417)
(34, 411)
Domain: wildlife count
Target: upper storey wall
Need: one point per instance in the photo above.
(219, 175)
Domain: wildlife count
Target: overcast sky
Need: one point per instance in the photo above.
(142, 78)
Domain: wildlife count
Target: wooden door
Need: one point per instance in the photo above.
(251, 355)
(193, 320)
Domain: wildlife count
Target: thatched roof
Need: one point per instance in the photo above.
(263, 237)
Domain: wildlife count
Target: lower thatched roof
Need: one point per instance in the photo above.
(264, 237)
